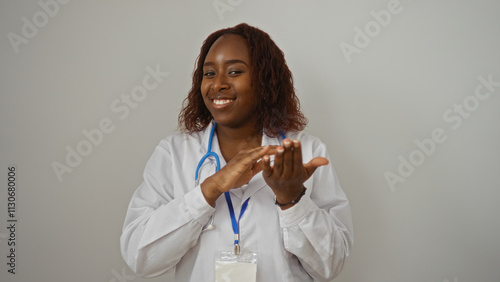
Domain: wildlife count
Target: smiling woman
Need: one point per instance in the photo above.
(241, 102)
(276, 103)
(226, 87)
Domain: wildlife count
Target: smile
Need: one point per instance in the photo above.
(220, 102)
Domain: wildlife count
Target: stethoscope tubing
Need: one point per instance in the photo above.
(210, 225)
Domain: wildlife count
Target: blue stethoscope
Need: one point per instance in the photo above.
(234, 222)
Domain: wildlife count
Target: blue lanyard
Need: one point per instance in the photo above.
(236, 223)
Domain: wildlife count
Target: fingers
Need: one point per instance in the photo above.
(287, 159)
(288, 156)
(297, 155)
(250, 157)
(263, 153)
(249, 160)
(242, 168)
(288, 173)
(291, 161)
(265, 150)
(288, 162)
(266, 164)
(278, 161)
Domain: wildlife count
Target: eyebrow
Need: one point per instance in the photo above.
(228, 62)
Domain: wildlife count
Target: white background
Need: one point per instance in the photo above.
(440, 224)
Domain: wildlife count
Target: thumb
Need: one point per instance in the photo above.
(311, 166)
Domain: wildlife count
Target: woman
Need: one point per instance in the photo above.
(293, 217)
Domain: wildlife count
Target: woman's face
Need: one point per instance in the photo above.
(226, 86)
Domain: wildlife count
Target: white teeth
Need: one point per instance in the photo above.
(222, 101)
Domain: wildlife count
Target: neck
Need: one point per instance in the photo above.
(233, 140)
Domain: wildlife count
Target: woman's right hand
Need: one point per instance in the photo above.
(239, 171)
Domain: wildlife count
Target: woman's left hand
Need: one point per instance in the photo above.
(288, 174)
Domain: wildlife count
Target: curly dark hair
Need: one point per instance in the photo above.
(272, 82)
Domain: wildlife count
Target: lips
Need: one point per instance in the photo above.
(220, 103)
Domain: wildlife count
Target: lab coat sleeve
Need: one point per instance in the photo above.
(318, 229)
(160, 228)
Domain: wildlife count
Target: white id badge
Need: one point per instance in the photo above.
(230, 267)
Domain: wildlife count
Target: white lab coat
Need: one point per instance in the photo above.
(163, 227)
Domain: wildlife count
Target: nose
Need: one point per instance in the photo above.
(220, 83)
